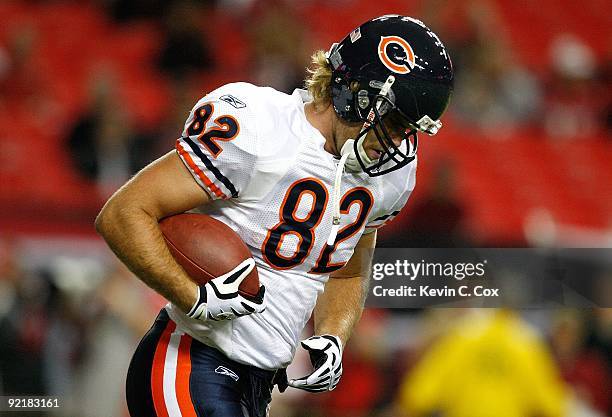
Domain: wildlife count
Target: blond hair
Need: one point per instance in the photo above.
(318, 81)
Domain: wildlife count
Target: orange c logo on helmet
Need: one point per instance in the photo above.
(396, 54)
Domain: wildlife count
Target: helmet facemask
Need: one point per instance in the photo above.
(380, 115)
(386, 121)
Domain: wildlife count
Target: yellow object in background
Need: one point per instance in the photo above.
(492, 364)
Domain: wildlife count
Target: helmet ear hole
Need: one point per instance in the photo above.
(363, 100)
(343, 97)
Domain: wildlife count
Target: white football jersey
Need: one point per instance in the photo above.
(255, 153)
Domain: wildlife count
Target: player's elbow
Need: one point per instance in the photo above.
(110, 215)
(103, 219)
(120, 213)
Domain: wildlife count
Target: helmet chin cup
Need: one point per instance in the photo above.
(355, 164)
(352, 164)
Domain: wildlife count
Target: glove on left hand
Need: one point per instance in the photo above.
(326, 357)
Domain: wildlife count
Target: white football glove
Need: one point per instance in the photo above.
(326, 357)
(219, 299)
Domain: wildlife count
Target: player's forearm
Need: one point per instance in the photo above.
(339, 308)
(134, 236)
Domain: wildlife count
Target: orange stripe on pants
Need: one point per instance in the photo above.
(157, 373)
(183, 373)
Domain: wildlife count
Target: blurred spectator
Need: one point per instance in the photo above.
(12, 352)
(600, 334)
(584, 368)
(103, 145)
(185, 49)
(575, 100)
(19, 79)
(436, 219)
(279, 48)
(66, 340)
(23, 323)
(600, 339)
(490, 364)
(23, 84)
(493, 92)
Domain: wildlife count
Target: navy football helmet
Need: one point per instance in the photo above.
(393, 74)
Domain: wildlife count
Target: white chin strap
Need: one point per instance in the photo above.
(352, 164)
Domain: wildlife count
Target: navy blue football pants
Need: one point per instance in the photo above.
(174, 375)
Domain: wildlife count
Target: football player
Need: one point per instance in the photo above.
(305, 180)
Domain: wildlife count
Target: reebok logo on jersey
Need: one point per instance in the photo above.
(224, 371)
(233, 101)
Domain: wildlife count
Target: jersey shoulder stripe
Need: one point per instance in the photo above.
(198, 173)
(212, 168)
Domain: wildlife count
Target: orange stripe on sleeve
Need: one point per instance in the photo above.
(187, 158)
(183, 373)
(157, 373)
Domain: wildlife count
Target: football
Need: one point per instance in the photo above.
(207, 248)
